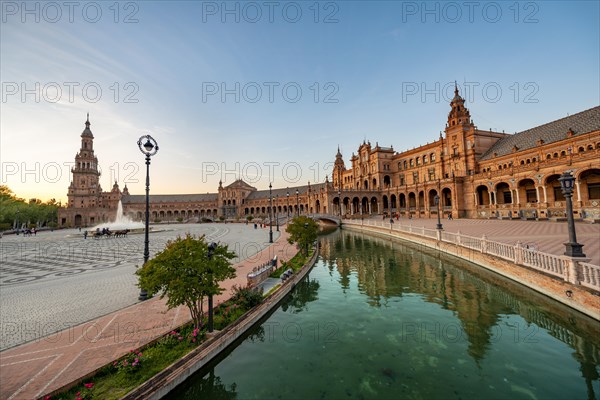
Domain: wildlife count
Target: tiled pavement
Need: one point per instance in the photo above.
(38, 367)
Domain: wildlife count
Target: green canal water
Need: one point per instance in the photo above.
(380, 319)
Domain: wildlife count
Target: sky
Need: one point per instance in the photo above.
(266, 91)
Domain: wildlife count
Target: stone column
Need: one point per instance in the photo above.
(518, 253)
(545, 194)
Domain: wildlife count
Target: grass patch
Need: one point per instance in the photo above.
(295, 263)
(273, 289)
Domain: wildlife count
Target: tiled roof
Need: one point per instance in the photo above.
(264, 194)
(240, 184)
(581, 123)
(170, 198)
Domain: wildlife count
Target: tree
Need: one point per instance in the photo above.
(185, 274)
(303, 231)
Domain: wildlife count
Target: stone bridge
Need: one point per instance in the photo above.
(327, 218)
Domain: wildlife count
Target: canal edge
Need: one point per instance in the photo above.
(168, 379)
(580, 300)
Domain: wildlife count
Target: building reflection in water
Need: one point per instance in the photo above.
(385, 269)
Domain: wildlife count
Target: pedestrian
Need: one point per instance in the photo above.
(85, 234)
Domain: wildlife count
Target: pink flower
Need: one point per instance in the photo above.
(136, 360)
(89, 385)
(77, 394)
(193, 340)
(180, 338)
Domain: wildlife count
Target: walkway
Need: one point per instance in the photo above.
(544, 236)
(36, 368)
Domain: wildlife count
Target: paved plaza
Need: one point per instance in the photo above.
(50, 285)
(57, 280)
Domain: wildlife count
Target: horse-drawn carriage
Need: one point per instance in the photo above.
(108, 233)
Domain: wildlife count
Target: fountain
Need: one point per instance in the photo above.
(121, 222)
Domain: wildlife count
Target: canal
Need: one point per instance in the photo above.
(382, 319)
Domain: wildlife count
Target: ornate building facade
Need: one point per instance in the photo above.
(478, 174)
(473, 173)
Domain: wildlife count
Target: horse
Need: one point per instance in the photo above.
(121, 233)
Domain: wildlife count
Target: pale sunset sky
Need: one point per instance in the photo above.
(267, 91)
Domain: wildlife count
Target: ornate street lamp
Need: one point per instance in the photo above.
(573, 249)
(270, 215)
(436, 200)
(340, 202)
(288, 204)
(148, 148)
(297, 204)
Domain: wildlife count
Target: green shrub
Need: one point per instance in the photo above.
(246, 297)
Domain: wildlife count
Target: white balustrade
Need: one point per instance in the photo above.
(588, 275)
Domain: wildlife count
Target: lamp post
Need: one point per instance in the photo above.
(297, 204)
(270, 215)
(18, 229)
(340, 202)
(436, 200)
(288, 204)
(307, 244)
(573, 249)
(148, 148)
(211, 248)
(277, 212)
